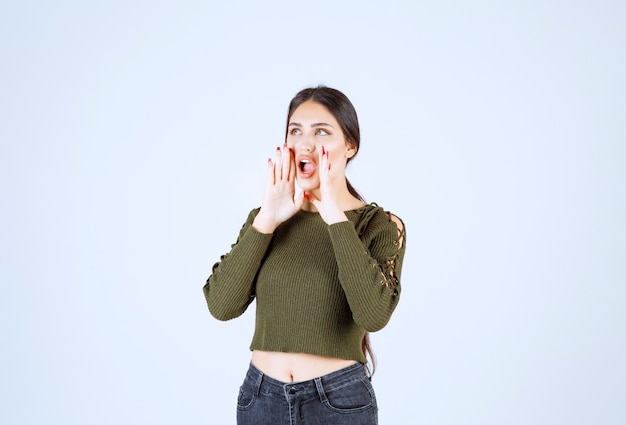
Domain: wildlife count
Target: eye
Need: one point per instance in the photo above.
(321, 132)
(295, 132)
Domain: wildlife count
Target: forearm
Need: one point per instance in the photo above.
(370, 280)
(230, 288)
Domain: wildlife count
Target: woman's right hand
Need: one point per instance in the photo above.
(279, 202)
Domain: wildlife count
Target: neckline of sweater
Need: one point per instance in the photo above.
(355, 210)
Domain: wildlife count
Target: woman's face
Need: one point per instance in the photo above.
(310, 128)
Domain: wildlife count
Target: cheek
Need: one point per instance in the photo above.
(337, 164)
(337, 157)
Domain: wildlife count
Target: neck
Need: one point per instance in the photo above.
(344, 198)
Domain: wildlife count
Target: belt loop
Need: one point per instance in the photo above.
(368, 372)
(320, 390)
(259, 380)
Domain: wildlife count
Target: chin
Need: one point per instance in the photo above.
(308, 185)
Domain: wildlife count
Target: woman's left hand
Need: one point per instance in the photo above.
(328, 205)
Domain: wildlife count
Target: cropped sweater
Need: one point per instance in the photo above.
(319, 288)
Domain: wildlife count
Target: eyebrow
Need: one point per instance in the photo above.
(317, 124)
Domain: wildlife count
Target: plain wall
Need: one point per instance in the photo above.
(134, 137)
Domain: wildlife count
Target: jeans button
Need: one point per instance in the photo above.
(292, 390)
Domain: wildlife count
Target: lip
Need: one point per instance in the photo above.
(308, 159)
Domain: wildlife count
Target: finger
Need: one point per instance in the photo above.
(292, 166)
(313, 199)
(286, 162)
(310, 196)
(299, 200)
(270, 172)
(278, 165)
(324, 164)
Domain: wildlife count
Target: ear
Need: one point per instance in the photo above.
(350, 149)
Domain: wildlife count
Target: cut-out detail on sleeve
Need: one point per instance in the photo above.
(390, 278)
(401, 230)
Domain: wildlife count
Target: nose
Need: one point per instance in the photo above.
(306, 146)
(304, 143)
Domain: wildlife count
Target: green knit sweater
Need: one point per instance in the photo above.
(318, 287)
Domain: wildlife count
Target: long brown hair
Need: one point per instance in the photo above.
(342, 109)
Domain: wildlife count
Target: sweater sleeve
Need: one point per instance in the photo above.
(229, 290)
(370, 273)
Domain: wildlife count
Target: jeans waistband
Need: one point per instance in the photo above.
(312, 387)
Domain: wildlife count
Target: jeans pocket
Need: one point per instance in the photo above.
(356, 396)
(246, 398)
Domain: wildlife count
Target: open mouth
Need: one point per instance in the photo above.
(306, 166)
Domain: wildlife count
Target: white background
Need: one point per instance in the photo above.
(134, 137)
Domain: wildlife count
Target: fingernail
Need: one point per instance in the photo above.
(323, 150)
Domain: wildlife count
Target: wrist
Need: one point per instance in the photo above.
(336, 218)
(263, 224)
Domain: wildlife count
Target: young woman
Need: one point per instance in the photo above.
(324, 268)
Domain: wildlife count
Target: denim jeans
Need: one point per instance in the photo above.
(344, 397)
